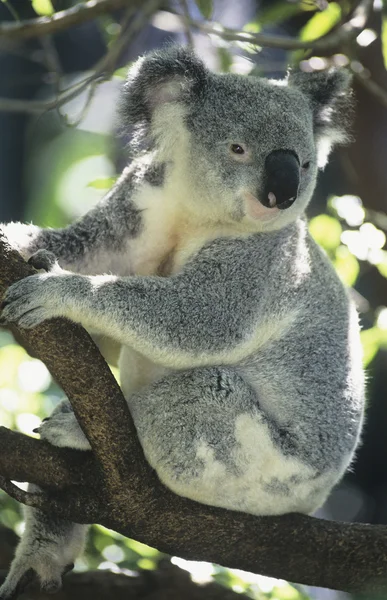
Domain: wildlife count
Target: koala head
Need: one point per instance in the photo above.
(241, 149)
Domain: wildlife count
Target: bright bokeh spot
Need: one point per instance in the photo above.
(108, 566)
(76, 182)
(365, 241)
(33, 376)
(113, 553)
(366, 37)
(10, 358)
(201, 572)
(26, 422)
(375, 237)
(349, 208)
(9, 399)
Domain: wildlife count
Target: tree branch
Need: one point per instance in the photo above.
(132, 501)
(346, 32)
(84, 11)
(87, 389)
(81, 12)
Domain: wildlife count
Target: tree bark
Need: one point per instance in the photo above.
(114, 485)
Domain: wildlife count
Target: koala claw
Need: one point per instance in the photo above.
(43, 259)
(32, 300)
(49, 577)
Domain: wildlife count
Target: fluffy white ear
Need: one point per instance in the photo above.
(171, 75)
(330, 99)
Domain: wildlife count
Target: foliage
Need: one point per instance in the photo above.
(206, 7)
(43, 7)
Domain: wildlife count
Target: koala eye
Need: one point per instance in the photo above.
(306, 165)
(237, 149)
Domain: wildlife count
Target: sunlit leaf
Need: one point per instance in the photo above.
(142, 549)
(253, 27)
(346, 265)
(147, 564)
(370, 339)
(206, 7)
(286, 592)
(384, 39)
(321, 22)
(121, 72)
(43, 7)
(10, 359)
(102, 183)
(326, 231)
(225, 59)
(277, 12)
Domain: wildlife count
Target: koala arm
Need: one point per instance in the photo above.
(193, 318)
(93, 243)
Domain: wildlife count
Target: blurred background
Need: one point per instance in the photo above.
(60, 151)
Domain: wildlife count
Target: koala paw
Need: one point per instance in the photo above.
(62, 429)
(35, 299)
(43, 259)
(39, 566)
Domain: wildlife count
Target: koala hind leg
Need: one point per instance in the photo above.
(62, 428)
(49, 544)
(204, 433)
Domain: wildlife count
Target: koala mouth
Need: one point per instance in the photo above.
(281, 179)
(257, 210)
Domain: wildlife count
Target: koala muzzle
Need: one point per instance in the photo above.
(281, 179)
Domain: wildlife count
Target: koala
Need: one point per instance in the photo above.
(240, 356)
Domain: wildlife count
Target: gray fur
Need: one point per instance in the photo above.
(155, 174)
(241, 358)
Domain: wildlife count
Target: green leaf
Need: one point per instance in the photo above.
(225, 59)
(346, 265)
(253, 27)
(370, 339)
(277, 12)
(321, 22)
(326, 231)
(206, 7)
(384, 39)
(102, 183)
(43, 7)
(121, 72)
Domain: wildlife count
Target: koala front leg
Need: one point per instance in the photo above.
(185, 320)
(49, 545)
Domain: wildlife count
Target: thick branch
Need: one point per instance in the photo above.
(350, 557)
(68, 352)
(62, 467)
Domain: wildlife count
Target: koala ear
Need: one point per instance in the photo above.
(330, 99)
(171, 75)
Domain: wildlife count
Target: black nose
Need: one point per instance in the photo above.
(281, 179)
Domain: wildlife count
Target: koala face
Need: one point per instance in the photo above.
(253, 141)
(244, 149)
